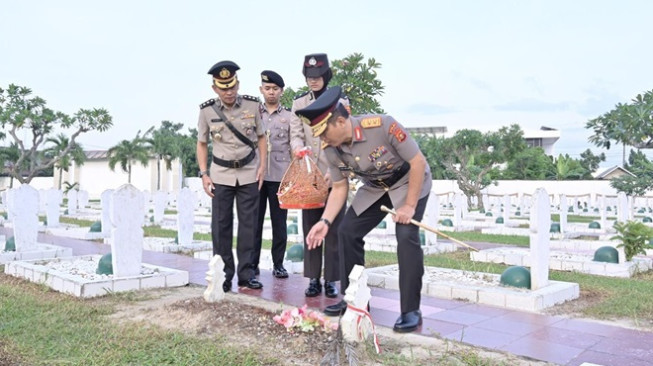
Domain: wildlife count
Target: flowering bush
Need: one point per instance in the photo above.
(304, 320)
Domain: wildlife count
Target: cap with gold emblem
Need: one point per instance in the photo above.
(317, 114)
(224, 74)
(268, 76)
(315, 65)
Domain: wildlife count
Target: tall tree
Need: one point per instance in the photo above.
(164, 144)
(359, 81)
(128, 152)
(473, 157)
(590, 162)
(188, 147)
(639, 184)
(567, 168)
(76, 154)
(22, 114)
(628, 124)
(530, 164)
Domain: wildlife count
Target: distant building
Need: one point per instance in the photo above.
(614, 172)
(95, 176)
(436, 131)
(545, 137)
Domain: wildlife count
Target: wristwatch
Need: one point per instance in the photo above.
(203, 173)
(327, 222)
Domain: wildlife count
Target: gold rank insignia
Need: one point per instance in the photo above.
(371, 122)
(324, 145)
(224, 73)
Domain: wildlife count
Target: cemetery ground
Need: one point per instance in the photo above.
(175, 326)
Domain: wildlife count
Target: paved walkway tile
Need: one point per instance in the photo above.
(559, 340)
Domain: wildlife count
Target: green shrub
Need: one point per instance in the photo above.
(634, 236)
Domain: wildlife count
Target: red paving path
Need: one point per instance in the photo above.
(554, 339)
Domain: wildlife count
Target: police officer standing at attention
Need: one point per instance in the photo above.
(276, 124)
(394, 173)
(318, 73)
(232, 124)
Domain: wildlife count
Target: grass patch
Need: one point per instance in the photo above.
(46, 328)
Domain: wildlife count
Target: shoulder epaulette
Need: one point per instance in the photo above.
(207, 103)
(343, 96)
(288, 109)
(301, 95)
(249, 97)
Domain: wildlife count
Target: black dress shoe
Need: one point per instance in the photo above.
(330, 289)
(314, 288)
(408, 322)
(226, 286)
(280, 272)
(251, 283)
(337, 309)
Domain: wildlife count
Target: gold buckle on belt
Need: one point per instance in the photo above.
(382, 184)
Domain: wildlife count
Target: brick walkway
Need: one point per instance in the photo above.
(554, 339)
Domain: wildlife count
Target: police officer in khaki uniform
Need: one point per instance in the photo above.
(276, 124)
(318, 74)
(394, 173)
(232, 124)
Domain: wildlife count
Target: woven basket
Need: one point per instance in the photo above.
(303, 185)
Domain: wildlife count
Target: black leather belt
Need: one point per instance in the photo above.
(235, 164)
(388, 182)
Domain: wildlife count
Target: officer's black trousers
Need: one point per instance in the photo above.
(313, 258)
(278, 219)
(409, 253)
(222, 221)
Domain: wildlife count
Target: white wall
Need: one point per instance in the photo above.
(570, 187)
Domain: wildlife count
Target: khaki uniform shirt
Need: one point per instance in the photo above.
(277, 131)
(379, 144)
(301, 134)
(245, 117)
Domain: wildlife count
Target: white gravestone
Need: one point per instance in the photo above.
(72, 202)
(82, 199)
(160, 203)
(623, 209)
(564, 209)
(506, 207)
(214, 280)
(185, 216)
(431, 217)
(603, 209)
(42, 201)
(26, 217)
(486, 201)
(127, 232)
(540, 224)
(9, 199)
(105, 201)
(457, 210)
(53, 198)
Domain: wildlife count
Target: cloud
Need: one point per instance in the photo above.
(429, 109)
(533, 105)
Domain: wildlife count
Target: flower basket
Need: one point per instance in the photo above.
(303, 185)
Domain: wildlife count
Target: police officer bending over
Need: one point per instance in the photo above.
(377, 150)
(233, 125)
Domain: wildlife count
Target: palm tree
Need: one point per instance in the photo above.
(126, 152)
(75, 154)
(9, 157)
(165, 143)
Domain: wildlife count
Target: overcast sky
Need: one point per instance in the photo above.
(457, 64)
